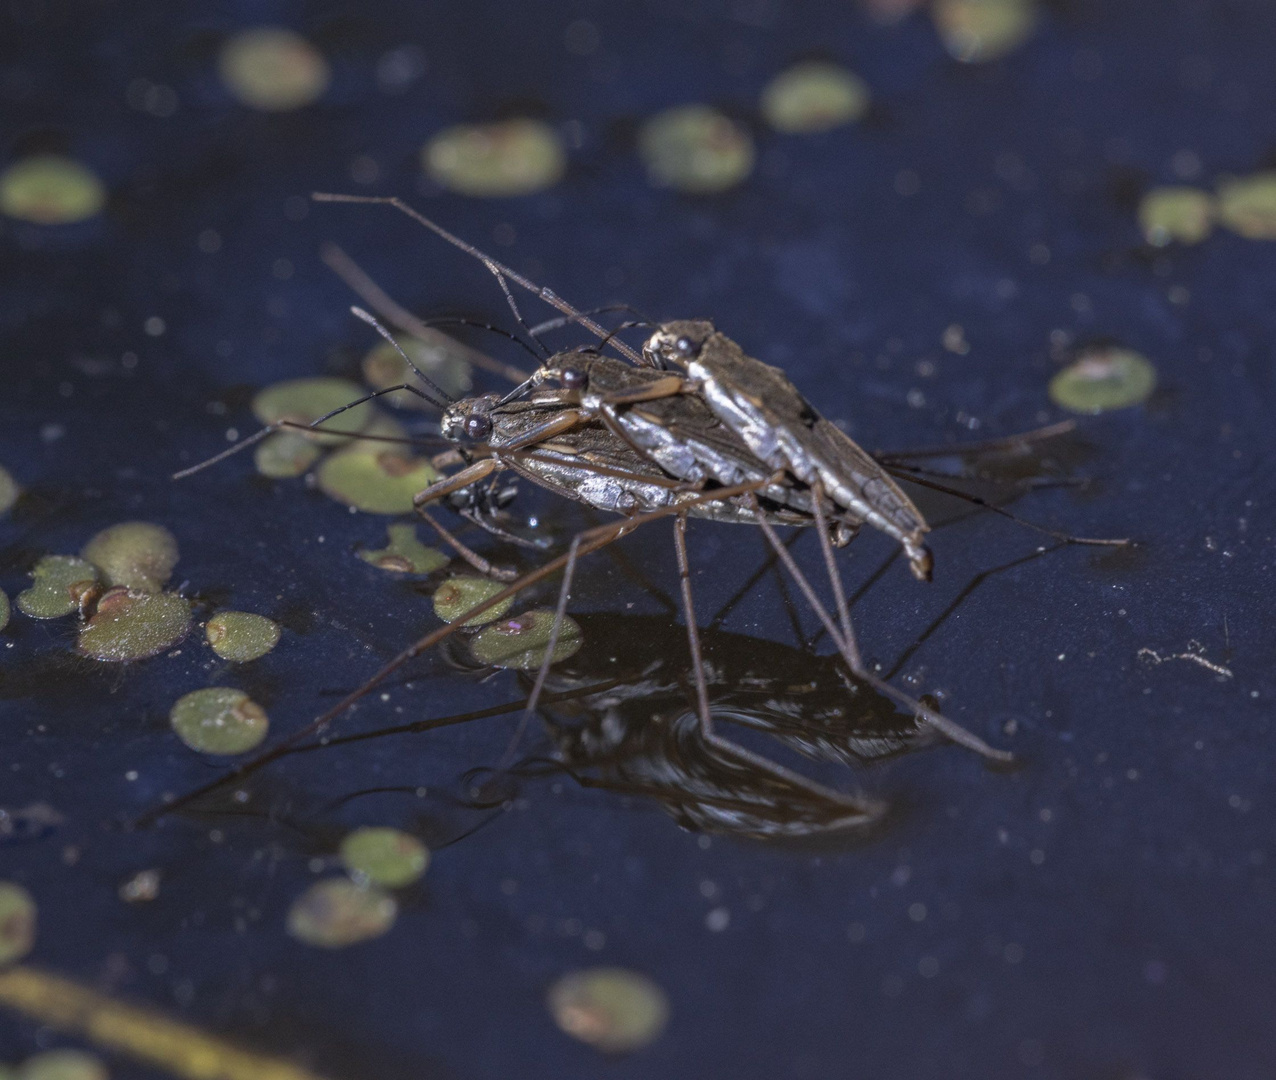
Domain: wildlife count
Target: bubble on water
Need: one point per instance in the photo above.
(521, 642)
(48, 189)
(814, 96)
(137, 554)
(384, 367)
(17, 922)
(303, 401)
(240, 636)
(1248, 206)
(1103, 379)
(695, 148)
(375, 477)
(1185, 214)
(63, 1065)
(612, 1009)
(405, 554)
(130, 625)
(338, 912)
(273, 69)
(286, 454)
(500, 159)
(219, 720)
(384, 856)
(9, 491)
(458, 594)
(977, 30)
(60, 583)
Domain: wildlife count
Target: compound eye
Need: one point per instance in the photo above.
(574, 379)
(477, 427)
(684, 346)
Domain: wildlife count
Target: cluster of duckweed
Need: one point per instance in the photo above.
(405, 554)
(496, 160)
(241, 636)
(976, 31)
(1187, 215)
(1102, 379)
(9, 491)
(48, 189)
(62, 1064)
(273, 69)
(521, 642)
(17, 922)
(455, 596)
(612, 1009)
(219, 720)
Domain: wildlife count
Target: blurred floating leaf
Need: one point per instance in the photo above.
(60, 583)
(303, 401)
(63, 1065)
(17, 922)
(384, 856)
(1248, 206)
(977, 30)
(286, 454)
(50, 190)
(273, 69)
(9, 491)
(814, 96)
(1185, 214)
(4, 610)
(458, 594)
(240, 636)
(505, 158)
(219, 720)
(695, 148)
(521, 642)
(132, 625)
(384, 367)
(613, 1009)
(405, 554)
(375, 477)
(337, 912)
(137, 554)
(1104, 379)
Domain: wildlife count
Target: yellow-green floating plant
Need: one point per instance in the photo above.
(499, 159)
(1247, 205)
(137, 554)
(405, 554)
(375, 477)
(338, 912)
(695, 148)
(1183, 214)
(48, 189)
(384, 856)
(522, 641)
(17, 922)
(814, 96)
(273, 69)
(130, 625)
(303, 401)
(612, 1009)
(240, 636)
(1103, 379)
(63, 1065)
(60, 583)
(219, 720)
(383, 367)
(458, 594)
(978, 30)
(285, 454)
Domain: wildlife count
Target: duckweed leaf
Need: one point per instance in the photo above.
(501, 159)
(521, 642)
(375, 477)
(17, 922)
(60, 583)
(978, 30)
(405, 554)
(48, 189)
(695, 148)
(1104, 379)
(612, 1009)
(1248, 206)
(303, 401)
(273, 69)
(63, 1065)
(129, 625)
(219, 720)
(240, 636)
(384, 856)
(384, 367)
(1184, 214)
(814, 96)
(286, 454)
(136, 554)
(458, 594)
(4, 610)
(337, 912)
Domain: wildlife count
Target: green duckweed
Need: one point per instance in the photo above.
(338, 912)
(458, 594)
(273, 69)
(129, 625)
(612, 1009)
(240, 636)
(384, 856)
(4, 610)
(695, 148)
(303, 401)
(219, 720)
(1185, 214)
(814, 96)
(978, 30)
(9, 491)
(521, 642)
(501, 159)
(1248, 206)
(384, 367)
(285, 454)
(48, 189)
(405, 554)
(60, 583)
(136, 554)
(63, 1065)
(17, 922)
(1104, 379)
(375, 477)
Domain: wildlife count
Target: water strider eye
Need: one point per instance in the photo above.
(574, 379)
(684, 346)
(477, 427)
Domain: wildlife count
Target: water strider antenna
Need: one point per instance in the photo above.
(371, 320)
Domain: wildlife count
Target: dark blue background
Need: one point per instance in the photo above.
(1138, 943)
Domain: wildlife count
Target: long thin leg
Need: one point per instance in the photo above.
(850, 653)
(1006, 442)
(482, 565)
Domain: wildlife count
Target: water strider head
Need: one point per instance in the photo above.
(473, 420)
(677, 343)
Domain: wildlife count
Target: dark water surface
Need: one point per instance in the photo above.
(1103, 911)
